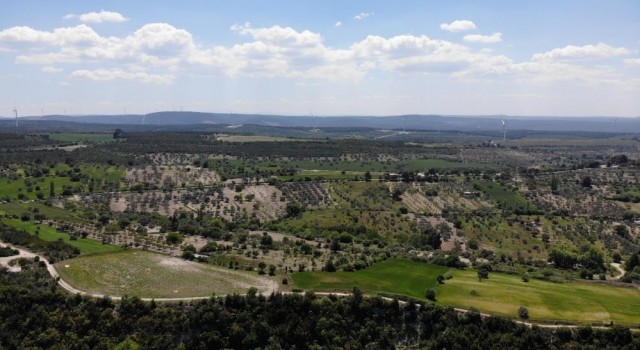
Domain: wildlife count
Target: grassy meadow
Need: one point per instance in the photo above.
(151, 275)
(501, 294)
(48, 233)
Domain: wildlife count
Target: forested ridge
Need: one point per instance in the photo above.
(34, 314)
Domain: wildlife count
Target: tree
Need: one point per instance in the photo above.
(554, 185)
(593, 259)
(272, 270)
(440, 279)
(118, 134)
(174, 238)
(367, 176)
(523, 313)
(622, 231)
(586, 182)
(52, 189)
(294, 210)
(430, 294)
(562, 257)
(329, 266)
(261, 266)
(483, 272)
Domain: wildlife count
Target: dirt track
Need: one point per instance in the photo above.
(71, 289)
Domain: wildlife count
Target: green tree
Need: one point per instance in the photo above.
(261, 266)
(523, 313)
(586, 182)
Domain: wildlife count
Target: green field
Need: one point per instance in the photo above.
(50, 212)
(402, 277)
(146, 274)
(501, 294)
(80, 137)
(31, 186)
(48, 233)
(102, 177)
(503, 196)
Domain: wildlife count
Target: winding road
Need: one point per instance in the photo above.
(69, 288)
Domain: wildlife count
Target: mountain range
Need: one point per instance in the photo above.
(409, 122)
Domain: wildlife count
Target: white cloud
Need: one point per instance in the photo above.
(50, 69)
(279, 35)
(363, 15)
(570, 52)
(112, 74)
(485, 39)
(98, 17)
(156, 53)
(458, 26)
(414, 53)
(338, 24)
(632, 61)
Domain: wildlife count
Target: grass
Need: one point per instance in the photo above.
(50, 212)
(146, 274)
(47, 233)
(12, 188)
(576, 301)
(103, 177)
(501, 294)
(503, 196)
(395, 276)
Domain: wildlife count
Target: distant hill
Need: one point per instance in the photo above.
(414, 122)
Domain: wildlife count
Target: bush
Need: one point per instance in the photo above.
(430, 294)
(523, 313)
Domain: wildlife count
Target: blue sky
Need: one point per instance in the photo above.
(332, 57)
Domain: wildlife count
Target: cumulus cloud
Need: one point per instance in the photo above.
(112, 74)
(632, 61)
(458, 26)
(158, 52)
(50, 69)
(338, 24)
(98, 17)
(571, 52)
(363, 15)
(485, 39)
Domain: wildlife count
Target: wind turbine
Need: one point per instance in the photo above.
(15, 111)
(504, 130)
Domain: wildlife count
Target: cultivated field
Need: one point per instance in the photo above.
(501, 294)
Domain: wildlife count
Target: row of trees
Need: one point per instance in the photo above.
(34, 315)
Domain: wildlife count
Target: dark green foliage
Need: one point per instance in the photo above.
(586, 182)
(54, 251)
(430, 294)
(34, 315)
(118, 134)
(294, 210)
(562, 257)
(523, 313)
(7, 251)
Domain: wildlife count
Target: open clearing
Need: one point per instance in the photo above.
(150, 275)
(501, 294)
